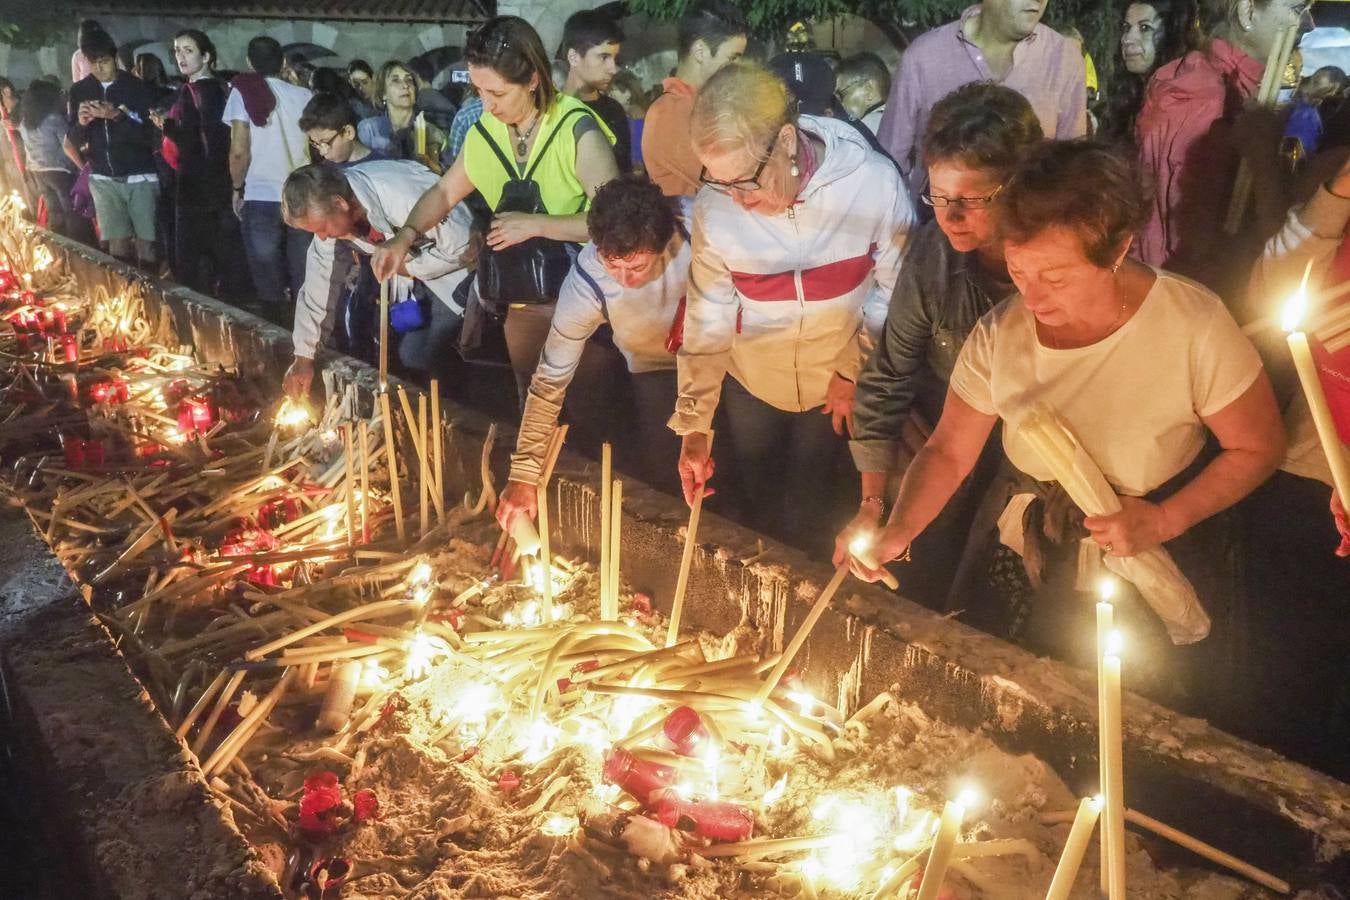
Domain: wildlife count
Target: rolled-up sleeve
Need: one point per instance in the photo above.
(709, 330)
(315, 309)
(577, 316)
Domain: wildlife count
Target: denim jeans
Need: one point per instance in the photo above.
(275, 251)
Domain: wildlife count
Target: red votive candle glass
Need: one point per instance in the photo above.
(716, 820)
(684, 729)
(637, 776)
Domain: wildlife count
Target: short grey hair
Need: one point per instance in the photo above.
(314, 188)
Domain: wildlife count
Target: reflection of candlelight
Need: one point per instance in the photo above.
(1291, 319)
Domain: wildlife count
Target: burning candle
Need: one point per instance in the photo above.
(420, 134)
(940, 857)
(685, 730)
(1072, 857)
(861, 548)
(639, 777)
(1114, 786)
(294, 414)
(194, 416)
(1290, 320)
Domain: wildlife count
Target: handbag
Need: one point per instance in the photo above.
(532, 271)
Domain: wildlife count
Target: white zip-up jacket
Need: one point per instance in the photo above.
(784, 302)
(388, 189)
(641, 317)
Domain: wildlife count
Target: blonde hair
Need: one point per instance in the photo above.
(743, 105)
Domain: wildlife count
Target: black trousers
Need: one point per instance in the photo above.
(789, 468)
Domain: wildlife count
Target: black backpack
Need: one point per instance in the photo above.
(533, 270)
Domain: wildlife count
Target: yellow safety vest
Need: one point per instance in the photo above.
(556, 173)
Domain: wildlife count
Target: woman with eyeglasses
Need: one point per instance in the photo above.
(393, 132)
(954, 273)
(527, 128)
(797, 240)
(1154, 380)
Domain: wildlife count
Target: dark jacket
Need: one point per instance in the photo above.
(116, 147)
(938, 298)
(195, 125)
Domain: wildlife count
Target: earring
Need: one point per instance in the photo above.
(795, 171)
(1115, 268)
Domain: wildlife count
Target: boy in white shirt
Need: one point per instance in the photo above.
(266, 145)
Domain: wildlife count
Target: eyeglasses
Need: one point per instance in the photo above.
(963, 202)
(745, 184)
(323, 146)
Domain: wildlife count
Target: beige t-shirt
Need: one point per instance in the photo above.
(1135, 400)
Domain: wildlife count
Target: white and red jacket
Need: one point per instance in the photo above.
(784, 302)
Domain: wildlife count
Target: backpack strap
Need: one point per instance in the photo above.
(548, 141)
(497, 152)
(599, 294)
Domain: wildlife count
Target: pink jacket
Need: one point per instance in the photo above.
(1187, 152)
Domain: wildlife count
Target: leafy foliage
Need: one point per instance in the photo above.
(35, 25)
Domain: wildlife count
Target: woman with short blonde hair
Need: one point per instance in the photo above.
(797, 241)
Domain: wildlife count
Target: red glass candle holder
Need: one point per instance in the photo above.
(74, 449)
(195, 416)
(637, 776)
(684, 729)
(715, 820)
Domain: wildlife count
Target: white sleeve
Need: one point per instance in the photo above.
(1224, 364)
(973, 376)
(450, 239)
(234, 108)
(575, 318)
(1312, 233)
(709, 329)
(314, 308)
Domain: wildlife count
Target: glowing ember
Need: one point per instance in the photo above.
(294, 414)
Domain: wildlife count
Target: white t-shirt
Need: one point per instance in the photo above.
(1134, 400)
(270, 162)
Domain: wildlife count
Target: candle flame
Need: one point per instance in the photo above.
(559, 825)
(861, 544)
(1098, 802)
(1295, 308)
(968, 798)
(1106, 589)
(775, 793)
(293, 414)
(420, 574)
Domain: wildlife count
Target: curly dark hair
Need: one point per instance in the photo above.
(630, 215)
(1093, 189)
(981, 125)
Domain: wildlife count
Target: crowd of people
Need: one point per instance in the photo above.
(862, 281)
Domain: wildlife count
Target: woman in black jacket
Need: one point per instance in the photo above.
(953, 274)
(207, 250)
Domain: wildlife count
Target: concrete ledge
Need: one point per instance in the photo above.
(120, 795)
(1254, 803)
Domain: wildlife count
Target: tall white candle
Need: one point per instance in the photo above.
(940, 857)
(1106, 591)
(1114, 788)
(1337, 458)
(1072, 857)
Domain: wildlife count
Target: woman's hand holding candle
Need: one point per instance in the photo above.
(519, 499)
(1139, 526)
(696, 465)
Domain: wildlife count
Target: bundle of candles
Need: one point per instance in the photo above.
(284, 612)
